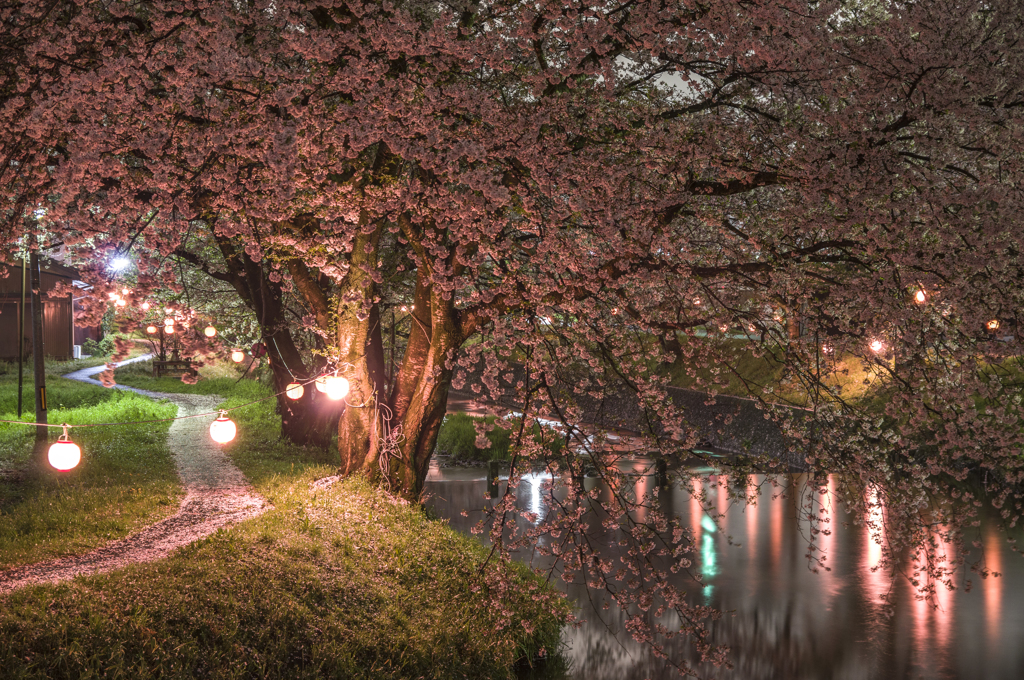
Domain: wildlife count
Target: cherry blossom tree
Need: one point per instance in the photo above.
(553, 201)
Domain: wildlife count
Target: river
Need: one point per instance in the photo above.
(781, 619)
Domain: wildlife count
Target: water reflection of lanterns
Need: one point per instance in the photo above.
(151, 329)
(237, 355)
(223, 429)
(210, 331)
(294, 391)
(64, 454)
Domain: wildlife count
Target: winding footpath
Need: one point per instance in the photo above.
(216, 495)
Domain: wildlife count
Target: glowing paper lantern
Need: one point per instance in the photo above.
(209, 331)
(877, 346)
(993, 325)
(145, 306)
(64, 454)
(169, 330)
(120, 302)
(222, 430)
(168, 321)
(920, 297)
(237, 355)
(336, 387)
(321, 384)
(294, 391)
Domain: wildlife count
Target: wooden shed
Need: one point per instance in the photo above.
(58, 318)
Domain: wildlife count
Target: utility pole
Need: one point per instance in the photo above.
(37, 357)
(21, 330)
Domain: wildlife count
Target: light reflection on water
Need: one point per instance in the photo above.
(781, 619)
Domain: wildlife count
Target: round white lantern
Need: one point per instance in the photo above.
(64, 454)
(222, 430)
(336, 387)
(294, 391)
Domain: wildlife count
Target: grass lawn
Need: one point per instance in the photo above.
(338, 582)
(126, 479)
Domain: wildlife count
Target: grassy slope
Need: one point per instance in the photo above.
(342, 582)
(126, 479)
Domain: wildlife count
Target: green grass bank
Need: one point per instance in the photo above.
(336, 582)
(126, 479)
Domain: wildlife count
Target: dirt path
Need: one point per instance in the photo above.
(216, 494)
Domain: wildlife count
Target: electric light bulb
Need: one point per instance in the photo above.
(209, 331)
(237, 355)
(64, 454)
(336, 387)
(294, 391)
(222, 430)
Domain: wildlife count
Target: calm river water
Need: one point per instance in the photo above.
(782, 620)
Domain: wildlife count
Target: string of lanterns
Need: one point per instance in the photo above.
(65, 455)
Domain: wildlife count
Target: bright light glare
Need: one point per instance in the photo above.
(336, 387)
(920, 297)
(877, 346)
(120, 263)
(222, 430)
(64, 454)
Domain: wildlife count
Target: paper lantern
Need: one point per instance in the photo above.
(336, 387)
(151, 329)
(223, 429)
(169, 330)
(209, 331)
(993, 325)
(920, 297)
(877, 346)
(145, 306)
(321, 384)
(237, 355)
(294, 391)
(64, 454)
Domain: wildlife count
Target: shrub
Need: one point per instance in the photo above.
(103, 348)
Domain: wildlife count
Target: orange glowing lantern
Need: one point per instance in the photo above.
(223, 429)
(210, 331)
(877, 346)
(237, 355)
(336, 387)
(64, 454)
(169, 330)
(993, 325)
(145, 306)
(920, 297)
(151, 329)
(294, 391)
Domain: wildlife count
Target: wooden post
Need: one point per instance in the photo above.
(21, 330)
(38, 359)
